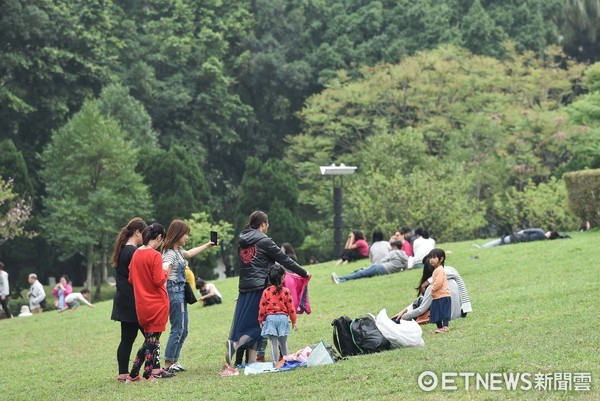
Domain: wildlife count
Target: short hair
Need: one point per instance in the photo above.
(85, 291)
(396, 244)
(200, 283)
(405, 230)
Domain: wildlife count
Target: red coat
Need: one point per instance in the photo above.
(148, 279)
(276, 303)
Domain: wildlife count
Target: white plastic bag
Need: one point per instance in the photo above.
(406, 334)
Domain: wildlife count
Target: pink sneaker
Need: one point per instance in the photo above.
(229, 371)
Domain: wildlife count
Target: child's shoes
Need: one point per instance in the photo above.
(228, 371)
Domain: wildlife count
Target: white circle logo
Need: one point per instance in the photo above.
(428, 381)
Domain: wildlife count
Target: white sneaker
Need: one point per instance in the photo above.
(178, 367)
(335, 278)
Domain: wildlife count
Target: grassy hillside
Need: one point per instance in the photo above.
(535, 310)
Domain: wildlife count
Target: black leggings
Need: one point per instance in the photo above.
(129, 332)
(5, 307)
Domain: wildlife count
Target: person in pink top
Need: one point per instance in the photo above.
(441, 304)
(356, 248)
(60, 291)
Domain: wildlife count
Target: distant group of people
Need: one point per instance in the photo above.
(403, 251)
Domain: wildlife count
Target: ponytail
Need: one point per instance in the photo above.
(126, 232)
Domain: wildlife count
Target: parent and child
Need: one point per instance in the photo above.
(150, 291)
(441, 294)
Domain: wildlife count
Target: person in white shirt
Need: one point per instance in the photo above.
(72, 301)
(36, 294)
(209, 295)
(4, 291)
(422, 245)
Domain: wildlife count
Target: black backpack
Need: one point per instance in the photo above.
(367, 336)
(342, 337)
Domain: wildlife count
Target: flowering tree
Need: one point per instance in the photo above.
(14, 212)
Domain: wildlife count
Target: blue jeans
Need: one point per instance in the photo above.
(373, 270)
(61, 299)
(178, 316)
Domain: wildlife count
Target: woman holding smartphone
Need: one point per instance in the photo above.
(174, 257)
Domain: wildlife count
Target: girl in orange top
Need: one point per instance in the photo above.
(275, 307)
(148, 278)
(441, 304)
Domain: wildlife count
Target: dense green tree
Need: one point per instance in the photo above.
(12, 165)
(271, 187)
(584, 114)
(580, 26)
(497, 124)
(52, 56)
(116, 102)
(90, 190)
(480, 34)
(177, 183)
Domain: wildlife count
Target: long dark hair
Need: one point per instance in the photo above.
(177, 229)
(377, 235)
(152, 232)
(427, 273)
(288, 249)
(134, 225)
(256, 219)
(440, 254)
(275, 277)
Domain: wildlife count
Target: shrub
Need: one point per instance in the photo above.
(543, 205)
(583, 189)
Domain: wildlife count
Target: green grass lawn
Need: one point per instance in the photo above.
(535, 310)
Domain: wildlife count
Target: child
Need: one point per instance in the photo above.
(275, 306)
(441, 304)
(72, 300)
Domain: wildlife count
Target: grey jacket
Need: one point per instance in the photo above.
(394, 261)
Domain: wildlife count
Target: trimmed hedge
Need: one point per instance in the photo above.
(583, 191)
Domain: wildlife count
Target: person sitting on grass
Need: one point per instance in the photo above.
(419, 309)
(72, 301)
(393, 262)
(61, 290)
(356, 248)
(209, 295)
(379, 247)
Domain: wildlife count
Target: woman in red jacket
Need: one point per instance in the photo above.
(148, 277)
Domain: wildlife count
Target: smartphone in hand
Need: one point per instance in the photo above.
(214, 238)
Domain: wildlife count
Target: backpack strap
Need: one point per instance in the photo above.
(353, 339)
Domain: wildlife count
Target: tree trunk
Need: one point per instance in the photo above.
(98, 285)
(90, 266)
(104, 266)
